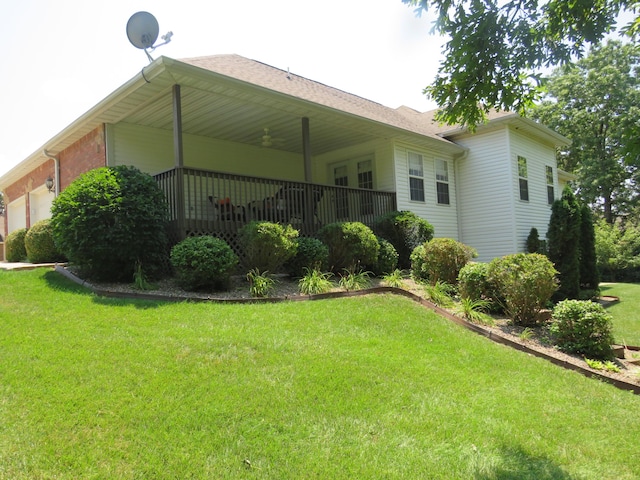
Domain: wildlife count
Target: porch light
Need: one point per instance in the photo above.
(49, 184)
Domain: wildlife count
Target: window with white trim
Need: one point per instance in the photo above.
(550, 190)
(442, 182)
(523, 179)
(416, 177)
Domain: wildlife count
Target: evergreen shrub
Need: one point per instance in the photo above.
(526, 282)
(203, 263)
(15, 249)
(267, 246)
(39, 244)
(352, 245)
(311, 254)
(584, 327)
(110, 220)
(405, 230)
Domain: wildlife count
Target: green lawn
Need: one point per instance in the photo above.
(355, 388)
(626, 313)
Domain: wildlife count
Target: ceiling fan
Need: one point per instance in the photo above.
(268, 141)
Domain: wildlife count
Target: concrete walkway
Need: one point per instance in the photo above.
(24, 265)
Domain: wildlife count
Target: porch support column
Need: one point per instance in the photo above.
(179, 164)
(306, 149)
(177, 127)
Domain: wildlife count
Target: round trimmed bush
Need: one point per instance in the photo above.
(584, 327)
(311, 253)
(14, 246)
(387, 258)
(418, 266)
(39, 243)
(352, 245)
(405, 230)
(526, 282)
(203, 263)
(267, 246)
(442, 259)
(111, 219)
(474, 284)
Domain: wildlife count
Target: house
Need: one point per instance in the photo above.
(230, 140)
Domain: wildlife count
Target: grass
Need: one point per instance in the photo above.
(626, 314)
(366, 387)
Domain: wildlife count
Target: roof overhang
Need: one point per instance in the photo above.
(226, 108)
(514, 120)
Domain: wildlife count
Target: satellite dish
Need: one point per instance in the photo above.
(142, 30)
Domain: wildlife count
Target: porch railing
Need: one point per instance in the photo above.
(206, 202)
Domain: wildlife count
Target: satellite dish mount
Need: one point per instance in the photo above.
(142, 31)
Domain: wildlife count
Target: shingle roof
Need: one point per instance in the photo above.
(272, 78)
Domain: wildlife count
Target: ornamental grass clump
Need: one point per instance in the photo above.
(525, 282)
(584, 327)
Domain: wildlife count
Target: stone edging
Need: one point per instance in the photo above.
(621, 384)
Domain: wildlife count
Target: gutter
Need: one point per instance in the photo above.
(56, 171)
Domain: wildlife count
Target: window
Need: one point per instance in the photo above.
(365, 180)
(523, 179)
(416, 177)
(550, 192)
(442, 182)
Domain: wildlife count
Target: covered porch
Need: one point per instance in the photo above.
(204, 202)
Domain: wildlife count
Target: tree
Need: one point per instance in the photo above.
(497, 48)
(589, 274)
(563, 237)
(596, 103)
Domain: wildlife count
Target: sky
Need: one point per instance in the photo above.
(61, 58)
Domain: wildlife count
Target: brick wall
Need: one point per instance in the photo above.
(86, 154)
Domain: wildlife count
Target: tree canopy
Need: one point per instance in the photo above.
(496, 49)
(596, 103)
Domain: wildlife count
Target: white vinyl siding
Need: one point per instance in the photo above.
(151, 150)
(444, 220)
(485, 196)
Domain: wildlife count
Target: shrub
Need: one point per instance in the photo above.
(474, 285)
(617, 251)
(526, 282)
(533, 242)
(267, 246)
(14, 246)
(418, 267)
(442, 259)
(563, 235)
(583, 327)
(405, 231)
(109, 220)
(351, 245)
(203, 263)
(311, 254)
(387, 258)
(39, 243)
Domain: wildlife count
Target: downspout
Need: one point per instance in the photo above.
(456, 168)
(56, 170)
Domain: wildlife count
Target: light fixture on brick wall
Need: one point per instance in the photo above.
(49, 184)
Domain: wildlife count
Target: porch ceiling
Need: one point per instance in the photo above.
(242, 118)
